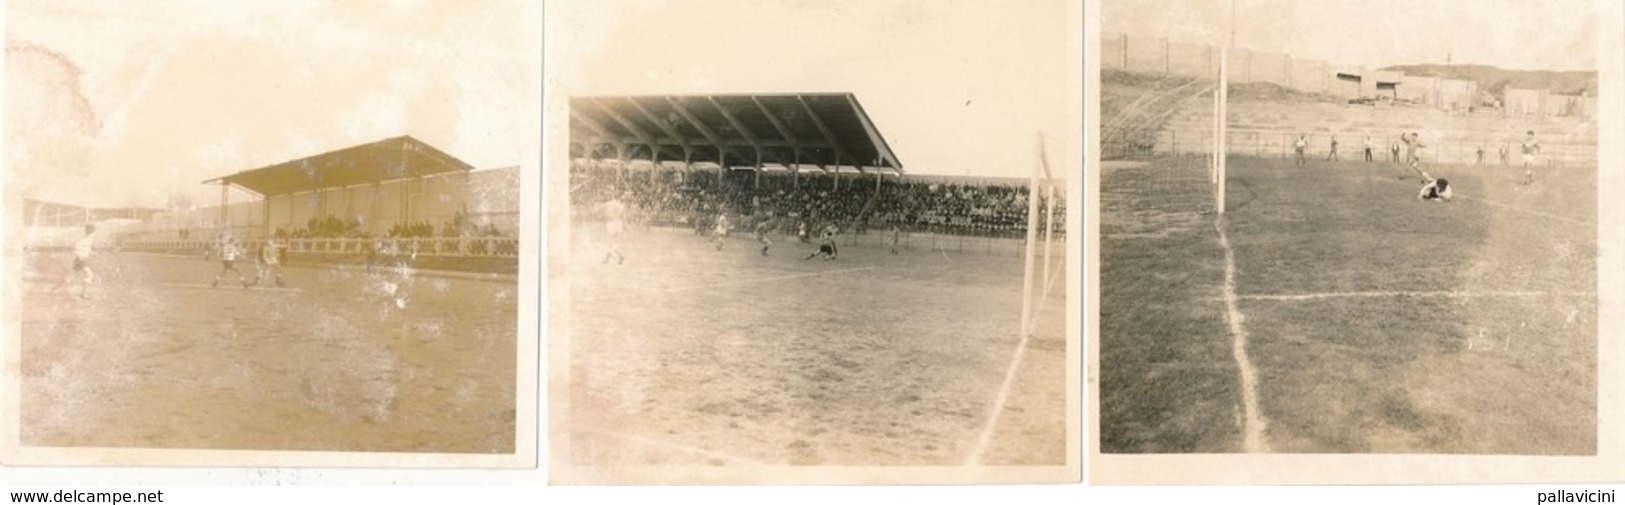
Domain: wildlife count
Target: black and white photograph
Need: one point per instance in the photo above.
(813, 242)
(1346, 228)
(269, 234)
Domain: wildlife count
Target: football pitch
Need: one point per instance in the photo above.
(155, 358)
(686, 355)
(1372, 322)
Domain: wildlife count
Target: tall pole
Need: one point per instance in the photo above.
(1213, 127)
(1032, 236)
(1219, 146)
(1224, 97)
(225, 211)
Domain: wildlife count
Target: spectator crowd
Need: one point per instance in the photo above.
(694, 198)
(329, 226)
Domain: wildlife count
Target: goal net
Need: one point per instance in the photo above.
(1158, 139)
(1045, 255)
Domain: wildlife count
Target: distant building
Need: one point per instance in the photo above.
(38, 213)
(1152, 55)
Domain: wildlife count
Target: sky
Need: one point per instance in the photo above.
(957, 88)
(127, 103)
(1518, 34)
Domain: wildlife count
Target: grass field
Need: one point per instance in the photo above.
(686, 355)
(157, 359)
(1374, 322)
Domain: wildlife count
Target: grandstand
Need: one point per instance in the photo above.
(892, 354)
(336, 206)
(685, 159)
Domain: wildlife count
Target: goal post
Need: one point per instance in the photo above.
(1041, 208)
(1221, 97)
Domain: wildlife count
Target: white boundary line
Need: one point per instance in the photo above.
(669, 445)
(720, 284)
(1416, 294)
(1253, 421)
(982, 440)
(997, 409)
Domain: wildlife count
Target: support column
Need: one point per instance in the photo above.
(620, 155)
(225, 209)
(403, 201)
(688, 166)
(414, 186)
(654, 169)
(837, 173)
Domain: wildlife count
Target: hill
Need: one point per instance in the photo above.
(1494, 79)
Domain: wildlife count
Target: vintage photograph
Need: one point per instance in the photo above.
(1347, 227)
(290, 231)
(828, 236)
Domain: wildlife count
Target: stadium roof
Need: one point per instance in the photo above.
(385, 160)
(829, 130)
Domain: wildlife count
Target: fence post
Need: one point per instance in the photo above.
(1166, 65)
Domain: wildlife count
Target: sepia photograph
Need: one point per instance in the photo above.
(821, 243)
(269, 234)
(1353, 227)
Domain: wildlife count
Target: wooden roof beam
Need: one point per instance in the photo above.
(694, 121)
(664, 128)
(755, 142)
(778, 124)
(829, 135)
(643, 136)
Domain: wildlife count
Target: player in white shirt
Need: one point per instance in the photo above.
(270, 263)
(1437, 190)
(719, 232)
(1302, 146)
(230, 250)
(1368, 156)
(81, 260)
(614, 225)
(1530, 147)
(1413, 154)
